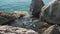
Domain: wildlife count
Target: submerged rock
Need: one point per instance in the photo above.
(15, 30)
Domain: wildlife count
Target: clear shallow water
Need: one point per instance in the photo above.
(22, 22)
(14, 5)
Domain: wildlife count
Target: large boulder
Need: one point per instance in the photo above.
(51, 12)
(36, 6)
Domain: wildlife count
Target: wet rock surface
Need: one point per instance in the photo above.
(15, 30)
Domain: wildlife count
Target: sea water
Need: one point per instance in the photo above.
(14, 5)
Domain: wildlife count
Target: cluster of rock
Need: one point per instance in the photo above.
(7, 18)
(15, 30)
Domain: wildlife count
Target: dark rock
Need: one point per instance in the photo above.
(36, 6)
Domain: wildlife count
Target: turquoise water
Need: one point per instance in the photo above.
(16, 5)
(46, 1)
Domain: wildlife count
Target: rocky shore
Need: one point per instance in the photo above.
(7, 18)
(15, 30)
